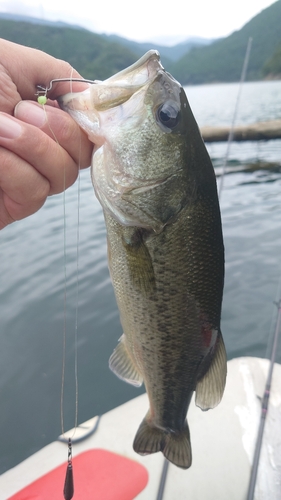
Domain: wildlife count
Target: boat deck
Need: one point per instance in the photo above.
(223, 440)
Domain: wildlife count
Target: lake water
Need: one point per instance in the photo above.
(32, 283)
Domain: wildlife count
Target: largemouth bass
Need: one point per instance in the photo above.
(155, 181)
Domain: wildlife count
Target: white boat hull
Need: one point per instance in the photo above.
(223, 442)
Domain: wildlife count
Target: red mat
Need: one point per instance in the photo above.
(98, 475)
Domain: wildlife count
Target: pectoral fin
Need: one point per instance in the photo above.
(139, 261)
(209, 389)
(121, 363)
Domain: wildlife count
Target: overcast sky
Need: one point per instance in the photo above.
(146, 20)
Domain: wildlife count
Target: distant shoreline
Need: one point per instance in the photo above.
(268, 78)
(272, 77)
(260, 131)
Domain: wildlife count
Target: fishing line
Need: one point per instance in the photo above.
(65, 297)
(77, 280)
(64, 309)
(42, 99)
(68, 490)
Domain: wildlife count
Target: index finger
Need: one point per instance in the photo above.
(29, 67)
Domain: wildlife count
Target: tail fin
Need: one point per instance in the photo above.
(175, 445)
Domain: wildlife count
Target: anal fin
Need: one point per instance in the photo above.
(121, 363)
(210, 388)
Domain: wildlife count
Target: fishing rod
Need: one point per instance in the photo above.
(163, 478)
(264, 407)
(231, 132)
(266, 395)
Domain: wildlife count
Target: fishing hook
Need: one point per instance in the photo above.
(42, 91)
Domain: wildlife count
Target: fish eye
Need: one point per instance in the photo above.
(168, 114)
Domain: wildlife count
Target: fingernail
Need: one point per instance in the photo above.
(30, 112)
(9, 128)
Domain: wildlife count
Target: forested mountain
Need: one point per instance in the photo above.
(92, 55)
(272, 67)
(99, 56)
(223, 59)
(35, 33)
(168, 54)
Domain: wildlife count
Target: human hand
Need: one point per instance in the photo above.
(40, 148)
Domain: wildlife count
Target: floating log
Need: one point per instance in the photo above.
(262, 131)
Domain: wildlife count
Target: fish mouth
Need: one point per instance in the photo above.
(120, 87)
(86, 107)
(140, 72)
